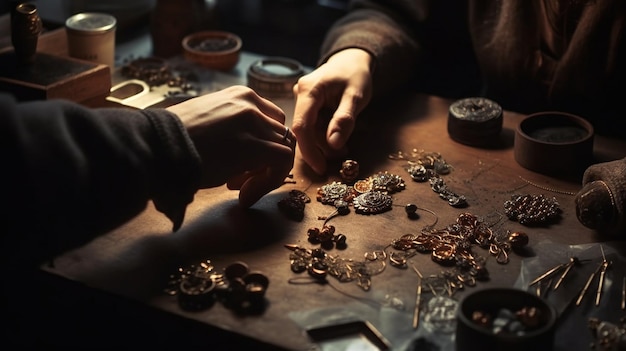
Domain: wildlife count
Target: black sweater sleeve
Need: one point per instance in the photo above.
(70, 173)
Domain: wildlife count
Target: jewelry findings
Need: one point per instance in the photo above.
(564, 268)
(601, 271)
(452, 246)
(199, 286)
(607, 336)
(428, 166)
(319, 264)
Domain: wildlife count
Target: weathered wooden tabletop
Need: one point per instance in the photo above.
(136, 260)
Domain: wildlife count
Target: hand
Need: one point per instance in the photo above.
(240, 138)
(342, 85)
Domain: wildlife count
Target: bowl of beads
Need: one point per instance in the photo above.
(554, 143)
(217, 50)
(505, 319)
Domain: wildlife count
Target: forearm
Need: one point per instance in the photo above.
(74, 173)
(392, 48)
(423, 43)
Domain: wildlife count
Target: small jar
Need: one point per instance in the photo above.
(475, 121)
(91, 37)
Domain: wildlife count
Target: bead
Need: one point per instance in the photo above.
(481, 318)
(349, 171)
(298, 265)
(529, 316)
(343, 207)
(318, 253)
(329, 228)
(410, 208)
(518, 239)
(318, 270)
(326, 234)
(313, 233)
(340, 239)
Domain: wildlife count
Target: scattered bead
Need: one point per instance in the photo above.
(349, 171)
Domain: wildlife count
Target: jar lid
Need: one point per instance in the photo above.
(91, 23)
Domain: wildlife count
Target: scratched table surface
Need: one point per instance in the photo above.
(136, 260)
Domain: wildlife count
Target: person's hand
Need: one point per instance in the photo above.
(242, 140)
(343, 86)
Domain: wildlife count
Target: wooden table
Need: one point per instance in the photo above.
(133, 262)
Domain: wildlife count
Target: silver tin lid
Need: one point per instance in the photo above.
(91, 23)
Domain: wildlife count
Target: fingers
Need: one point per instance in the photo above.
(252, 185)
(288, 138)
(342, 124)
(270, 109)
(305, 120)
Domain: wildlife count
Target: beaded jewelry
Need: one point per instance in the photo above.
(531, 209)
(318, 263)
(429, 166)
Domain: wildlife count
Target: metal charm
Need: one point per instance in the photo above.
(372, 202)
(328, 194)
(387, 182)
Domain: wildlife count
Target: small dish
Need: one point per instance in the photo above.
(274, 77)
(554, 143)
(213, 49)
(506, 319)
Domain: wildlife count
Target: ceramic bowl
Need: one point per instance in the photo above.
(554, 143)
(514, 320)
(213, 49)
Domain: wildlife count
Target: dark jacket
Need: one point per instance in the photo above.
(528, 55)
(70, 173)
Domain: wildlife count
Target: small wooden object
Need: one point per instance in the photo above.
(54, 77)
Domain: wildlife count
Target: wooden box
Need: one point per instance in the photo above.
(55, 77)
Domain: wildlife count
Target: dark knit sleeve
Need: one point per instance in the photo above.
(422, 44)
(374, 28)
(180, 170)
(71, 173)
(601, 203)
